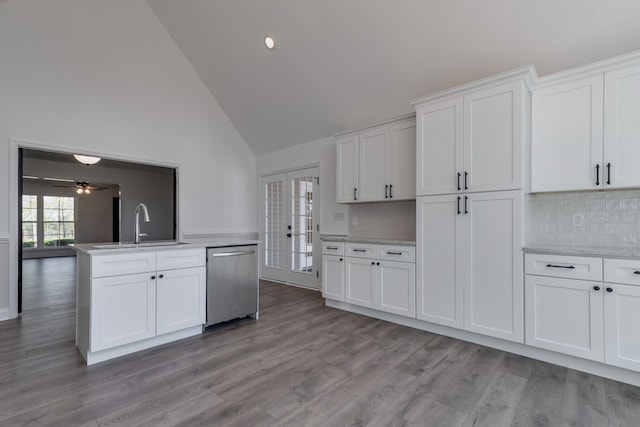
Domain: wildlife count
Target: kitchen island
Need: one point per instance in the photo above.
(131, 297)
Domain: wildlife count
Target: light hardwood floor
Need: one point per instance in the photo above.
(300, 364)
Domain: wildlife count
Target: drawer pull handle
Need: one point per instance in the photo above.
(359, 250)
(571, 267)
(333, 248)
(636, 272)
(394, 253)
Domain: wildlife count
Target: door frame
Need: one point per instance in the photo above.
(317, 198)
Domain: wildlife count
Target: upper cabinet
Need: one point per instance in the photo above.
(377, 164)
(585, 129)
(471, 139)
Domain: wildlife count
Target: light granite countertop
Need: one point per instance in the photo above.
(384, 241)
(110, 248)
(600, 251)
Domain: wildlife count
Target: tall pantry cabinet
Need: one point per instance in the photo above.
(470, 177)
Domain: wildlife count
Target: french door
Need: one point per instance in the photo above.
(289, 227)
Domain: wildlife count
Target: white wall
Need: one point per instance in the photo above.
(333, 217)
(104, 77)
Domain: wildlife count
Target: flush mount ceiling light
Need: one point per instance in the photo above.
(269, 42)
(87, 160)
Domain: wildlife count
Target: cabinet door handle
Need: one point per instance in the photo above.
(636, 272)
(355, 194)
(359, 250)
(571, 267)
(608, 173)
(377, 263)
(459, 204)
(386, 191)
(466, 175)
(161, 276)
(394, 253)
(459, 175)
(373, 263)
(609, 289)
(153, 277)
(466, 211)
(598, 174)
(596, 288)
(391, 191)
(340, 259)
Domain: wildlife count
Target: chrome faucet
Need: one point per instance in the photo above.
(136, 233)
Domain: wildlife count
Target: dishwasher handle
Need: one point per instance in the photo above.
(233, 253)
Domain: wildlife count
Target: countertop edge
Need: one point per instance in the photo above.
(373, 240)
(630, 253)
(90, 249)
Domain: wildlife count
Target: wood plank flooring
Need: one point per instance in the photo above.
(300, 364)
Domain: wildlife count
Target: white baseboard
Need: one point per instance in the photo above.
(595, 368)
(4, 314)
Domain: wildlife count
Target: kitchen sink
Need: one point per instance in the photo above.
(138, 245)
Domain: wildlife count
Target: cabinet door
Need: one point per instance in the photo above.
(371, 182)
(181, 299)
(347, 169)
(397, 287)
(360, 282)
(493, 288)
(123, 310)
(493, 138)
(333, 277)
(438, 260)
(400, 161)
(439, 147)
(565, 315)
(567, 140)
(621, 319)
(622, 127)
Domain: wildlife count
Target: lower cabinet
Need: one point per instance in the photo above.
(565, 315)
(179, 297)
(123, 310)
(374, 279)
(592, 319)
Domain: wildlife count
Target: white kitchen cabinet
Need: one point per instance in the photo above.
(333, 277)
(439, 260)
(492, 269)
(377, 164)
(585, 131)
(360, 282)
(567, 144)
(181, 299)
(396, 287)
(565, 315)
(621, 320)
(470, 263)
(473, 141)
(622, 127)
(347, 168)
(123, 310)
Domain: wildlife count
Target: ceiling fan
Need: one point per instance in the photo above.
(82, 187)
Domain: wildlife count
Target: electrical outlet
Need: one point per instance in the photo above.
(578, 220)
(354, 220)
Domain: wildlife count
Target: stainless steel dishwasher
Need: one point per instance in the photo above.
(232, 283)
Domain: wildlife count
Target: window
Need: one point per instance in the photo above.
(58, 220)
(29, 221)
(47, 221)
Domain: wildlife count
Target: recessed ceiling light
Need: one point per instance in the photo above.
(270, 43)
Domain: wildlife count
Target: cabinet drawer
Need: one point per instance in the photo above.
(124, 263)
(362, 250)
(181, 258)
(625, 271)
(570, 267)
(333, 248)
(397, 253)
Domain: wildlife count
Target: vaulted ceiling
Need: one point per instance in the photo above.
(340, 64)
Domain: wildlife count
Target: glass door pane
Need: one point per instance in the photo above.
(302, 224)
(273, 224)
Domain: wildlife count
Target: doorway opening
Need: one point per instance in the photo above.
(290, 227)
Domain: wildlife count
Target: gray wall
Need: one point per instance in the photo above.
(152, 186)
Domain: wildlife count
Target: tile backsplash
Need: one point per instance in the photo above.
(386, 220)
(603, 218)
